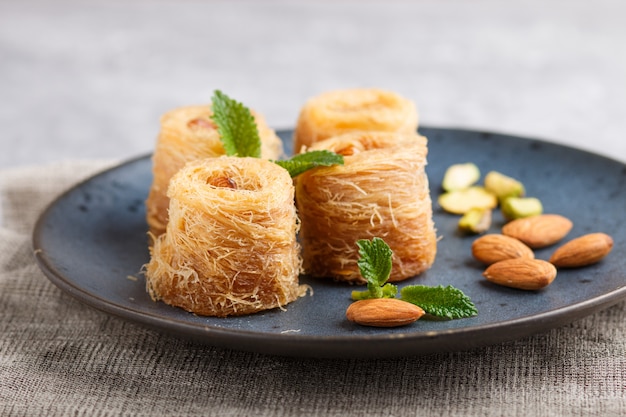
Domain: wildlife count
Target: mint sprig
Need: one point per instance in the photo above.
(300, 163)
(445, 302)
(236, 126)
(375, 266)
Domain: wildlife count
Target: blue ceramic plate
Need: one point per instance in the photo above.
(91, 242)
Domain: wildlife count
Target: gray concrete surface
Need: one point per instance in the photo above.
(89, 79)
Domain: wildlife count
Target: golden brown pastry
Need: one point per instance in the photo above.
(230, 244)
(380, 191)
(341, 111)
(187, 134)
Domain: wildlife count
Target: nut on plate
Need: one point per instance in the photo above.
(503, 186)
(493, 248)
(460, 176)
(462, 201)
(383, 312)
(539, 231)
(521, 273)
(519, 207)
(582, 251)
(475, 221)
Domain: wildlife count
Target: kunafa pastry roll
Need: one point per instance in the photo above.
(341, 111)
(230, 244)
(380, 191)
(187, 134)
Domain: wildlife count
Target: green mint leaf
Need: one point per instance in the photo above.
(445, 302)
(236, 126)
(374, 264)
(308, 160)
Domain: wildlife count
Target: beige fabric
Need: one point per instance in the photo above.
(59, 357)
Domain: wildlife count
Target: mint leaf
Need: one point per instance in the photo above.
(236, 126)
(308, 160)
(445, 302)
(375, 265)
(375, 260)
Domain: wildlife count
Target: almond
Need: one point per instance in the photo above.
(582, 251)
(521, 273)
(383, 312)
(493, 248)
(539, 231)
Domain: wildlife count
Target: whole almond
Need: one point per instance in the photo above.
(539, 231)
(521, 273)
(582, 251)
(493, 248)
(383, 312)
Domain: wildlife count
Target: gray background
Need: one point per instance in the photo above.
(89, 79)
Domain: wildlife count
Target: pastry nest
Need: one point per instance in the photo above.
(359, 109)
(380, 191)
(230, 243)
(187, 134)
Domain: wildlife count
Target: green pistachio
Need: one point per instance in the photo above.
(462, 201)
(503, 186)
(475, 221)
(460, 176)
(518, 207)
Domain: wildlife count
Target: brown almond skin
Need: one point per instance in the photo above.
(539, 231)
(521, 273)
(383, 312)
(582, 251)
(493, 248)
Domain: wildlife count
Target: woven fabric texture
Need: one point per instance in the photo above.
(59, 357)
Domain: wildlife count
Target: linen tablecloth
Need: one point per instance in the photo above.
(60, 357)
